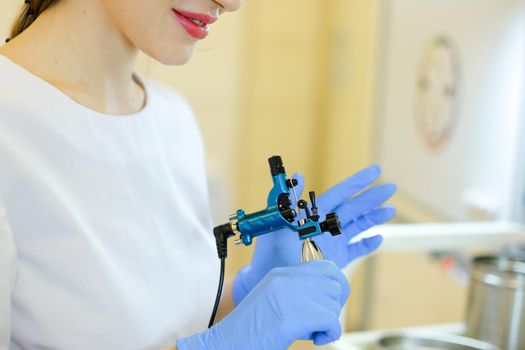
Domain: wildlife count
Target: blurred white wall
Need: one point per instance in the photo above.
(8, 11)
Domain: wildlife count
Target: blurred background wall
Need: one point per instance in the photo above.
(300, 82)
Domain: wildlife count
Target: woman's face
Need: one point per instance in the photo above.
(167, 30)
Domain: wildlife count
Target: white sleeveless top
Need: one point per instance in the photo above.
(105, 231)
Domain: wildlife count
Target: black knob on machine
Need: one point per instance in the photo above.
(332, 224)
(315, 210)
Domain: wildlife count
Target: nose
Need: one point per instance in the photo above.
(229, 5)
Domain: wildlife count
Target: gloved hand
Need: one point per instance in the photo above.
(290, 303)
(358, 210)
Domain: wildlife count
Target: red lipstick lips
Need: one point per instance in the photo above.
(195, 24)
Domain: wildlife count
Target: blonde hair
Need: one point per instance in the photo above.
(30, 11)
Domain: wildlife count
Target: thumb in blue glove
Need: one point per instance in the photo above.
(359, 207)
(291, 303)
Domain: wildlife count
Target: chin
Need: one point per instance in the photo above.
(174, 58)
(171, 57)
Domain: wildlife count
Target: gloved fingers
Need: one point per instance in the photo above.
(331, 270)
(332, 333)
(329, 303)
(320, 321)
(316, 313)
(324, 294)
(377, 216)
(336, 195)
(335, 291)
(363, 247)
(364, 202)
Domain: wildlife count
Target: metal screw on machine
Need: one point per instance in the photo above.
(310, 250)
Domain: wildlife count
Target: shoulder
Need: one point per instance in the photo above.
(171, 104)
(173, 108)
(20, 92)
(10, 84)
(167, 96)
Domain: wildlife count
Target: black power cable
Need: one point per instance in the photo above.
(221, 233)
(219, 292)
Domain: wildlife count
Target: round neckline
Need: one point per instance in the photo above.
(136, 76)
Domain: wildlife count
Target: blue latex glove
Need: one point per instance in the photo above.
(290, 303)
(358, 206)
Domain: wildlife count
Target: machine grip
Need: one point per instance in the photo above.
(310, 251)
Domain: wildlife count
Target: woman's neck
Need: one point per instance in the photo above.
(75, 46)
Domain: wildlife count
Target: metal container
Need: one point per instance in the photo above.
(430, 341)
(496, 306)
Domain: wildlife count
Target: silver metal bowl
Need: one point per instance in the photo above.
(430, 341)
